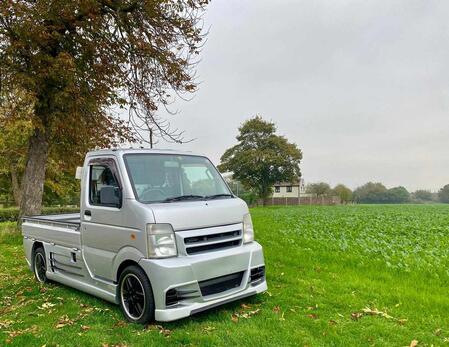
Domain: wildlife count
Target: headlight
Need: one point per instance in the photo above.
(161, 241)
(248, 230)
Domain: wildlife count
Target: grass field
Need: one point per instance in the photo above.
(337, 276)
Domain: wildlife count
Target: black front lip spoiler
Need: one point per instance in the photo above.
(205, 308)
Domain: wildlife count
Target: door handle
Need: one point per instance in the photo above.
(87, 213)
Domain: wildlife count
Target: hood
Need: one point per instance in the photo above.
(186, 215)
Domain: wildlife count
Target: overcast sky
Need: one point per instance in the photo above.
(361, 86)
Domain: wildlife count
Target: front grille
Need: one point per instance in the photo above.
(221, 284)
(212, 242)
(212, 247)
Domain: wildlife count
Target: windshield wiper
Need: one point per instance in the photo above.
(183, 197)
(210, 197)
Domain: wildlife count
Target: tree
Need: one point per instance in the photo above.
(343, 192)
(423, 195)
(397, 195)
(78, 60)
(261, 158)
(319, 189)
(60, 184)
(377, 193)
(370, 193)
(443, 194)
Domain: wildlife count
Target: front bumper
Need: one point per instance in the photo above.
(185, 272)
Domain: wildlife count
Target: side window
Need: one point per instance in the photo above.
(103, 187)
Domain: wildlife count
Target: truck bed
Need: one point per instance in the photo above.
(66, 218)
(59, 229)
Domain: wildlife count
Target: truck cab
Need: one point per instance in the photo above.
(159, 233)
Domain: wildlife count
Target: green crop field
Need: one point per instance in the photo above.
(337, 276)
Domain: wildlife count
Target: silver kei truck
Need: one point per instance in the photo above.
(159, 233)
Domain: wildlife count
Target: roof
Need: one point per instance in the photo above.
(121, 151)
(286, 184)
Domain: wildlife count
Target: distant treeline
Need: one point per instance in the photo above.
(377, 193)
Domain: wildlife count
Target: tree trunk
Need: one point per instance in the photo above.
(34, 176)
(16, 189)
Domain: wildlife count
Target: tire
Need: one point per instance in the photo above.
(40, 265)
(135, 295)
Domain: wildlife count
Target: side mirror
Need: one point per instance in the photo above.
(110, 196)
(79, 172)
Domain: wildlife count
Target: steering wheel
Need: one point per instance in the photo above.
(148, 194)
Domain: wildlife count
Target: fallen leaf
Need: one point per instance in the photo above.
(85, 327)
(356, 315)
(33, 329)
(247, 315)
(245, 306)
(162, 330)
(276, 309)
(282, 317)
(312, 316)
(209, 329)
(414, 343)
(46, 305)
(4, 324)
(376, 312)
(165, 332)
(234, 318)
(88, 310)
(119, 324)
(63, 321)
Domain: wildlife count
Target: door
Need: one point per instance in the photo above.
(101, 232)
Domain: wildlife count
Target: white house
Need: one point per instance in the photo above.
(290, 189)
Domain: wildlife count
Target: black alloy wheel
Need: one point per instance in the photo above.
(40, 265)
(136, 295)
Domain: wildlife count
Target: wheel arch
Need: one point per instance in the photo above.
(36, 245)
(125, 257)
(124, 265)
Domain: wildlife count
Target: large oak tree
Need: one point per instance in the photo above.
(261, 158)
(78, 59)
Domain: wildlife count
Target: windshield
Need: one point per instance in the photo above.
(168, 178)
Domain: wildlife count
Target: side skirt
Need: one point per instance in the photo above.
(108, 295)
